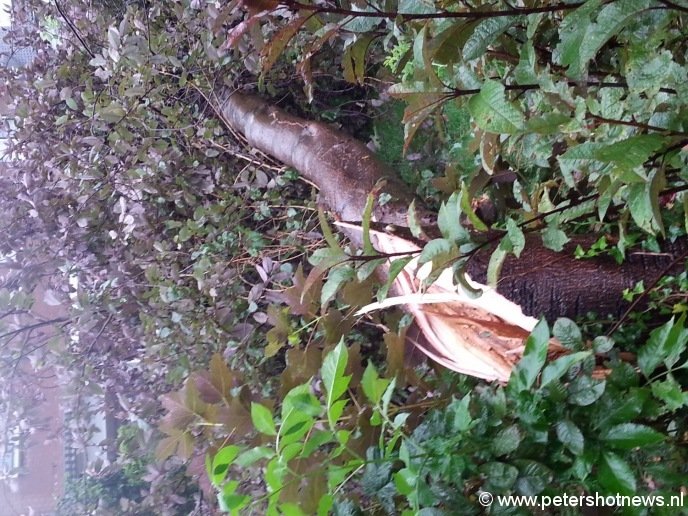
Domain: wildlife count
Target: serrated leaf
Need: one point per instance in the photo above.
(570, 436)
(579, 158)
(631, 152)
(581, 39)
(666, 344)
(492, 111)
(468, 210)
(484, 34)
(327, 231)
(368, 248)
(276, 45)
(262, 419)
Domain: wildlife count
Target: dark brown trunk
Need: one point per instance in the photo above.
(543, 282)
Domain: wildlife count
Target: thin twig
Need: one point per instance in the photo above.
(74, 30)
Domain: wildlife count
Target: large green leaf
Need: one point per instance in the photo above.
(581, 39)
(526, 371)
(484, 34)
(492, 111)
(630, 435)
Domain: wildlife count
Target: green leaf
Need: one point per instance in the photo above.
(499, 477)
(221, 462)
(670, 393)
(335, 382)
(554, 238)
(394, 269)
(515, 235)
(414, 223)
(533, 477)
(368, 248)
(631, 152)
(448, 220)
(373, 386)
(665, 345)
(462, 417)
(631, 435)
(526, 371)
(468, 211)
(484, 34)
(434, 249)
(327, 231)
(262, 419)
(580, 40)
(253, 455)
(567, 332)
(585, 391)
(335, 279)
(494, 266)
(580, 158)
(570, 436)
(560, 366)
(616, 475)
(506, 441)
(493, 112)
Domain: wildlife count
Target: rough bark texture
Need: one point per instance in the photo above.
(550, 284)
(543, 282)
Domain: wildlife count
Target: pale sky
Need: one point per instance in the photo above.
(4, 15)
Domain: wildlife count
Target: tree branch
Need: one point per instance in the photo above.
(470, 15)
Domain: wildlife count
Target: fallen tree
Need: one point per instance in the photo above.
(481, 337)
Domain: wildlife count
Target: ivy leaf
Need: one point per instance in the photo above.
(262, 419)
(493, 112)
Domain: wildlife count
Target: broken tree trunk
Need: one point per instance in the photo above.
(541, 282)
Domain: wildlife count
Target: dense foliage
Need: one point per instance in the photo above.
(179, 255)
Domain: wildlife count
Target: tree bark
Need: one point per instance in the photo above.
(543, 282)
